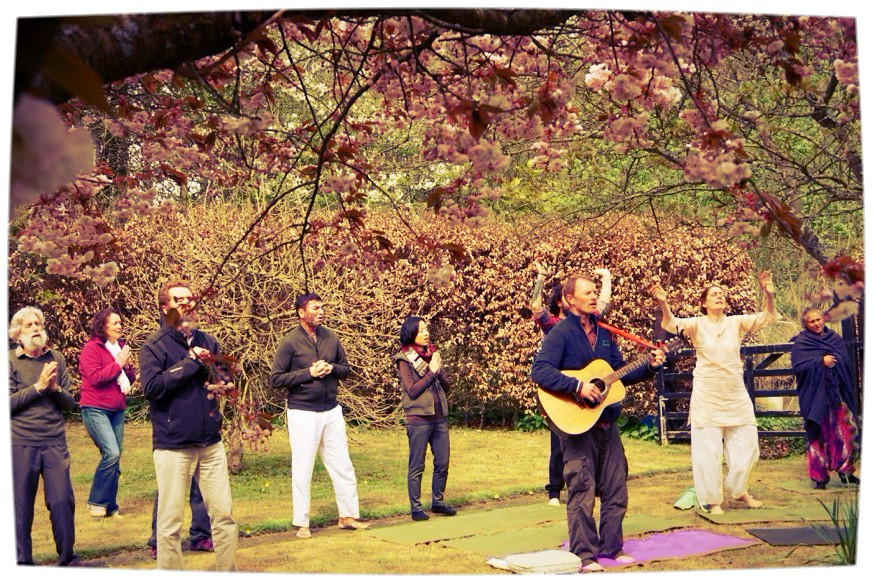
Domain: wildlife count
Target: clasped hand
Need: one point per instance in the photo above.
(320, 369)
(48, 378)
(436, 362)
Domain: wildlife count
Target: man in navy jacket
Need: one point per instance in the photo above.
(186, 428)
(594, 461)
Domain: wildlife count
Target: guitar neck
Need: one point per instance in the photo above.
(626, 370)
(640, 362)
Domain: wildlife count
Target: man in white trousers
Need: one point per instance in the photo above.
(309, 363)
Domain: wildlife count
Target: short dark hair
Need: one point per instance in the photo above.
(301, 301)
(555, 300)
(98, 322)
(409, 330)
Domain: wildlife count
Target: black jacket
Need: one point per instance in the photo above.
(182, 415)
(296, 353)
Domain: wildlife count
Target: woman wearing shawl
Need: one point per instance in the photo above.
(827, 401)
(107, 374)
(423, 384)
(721, 413)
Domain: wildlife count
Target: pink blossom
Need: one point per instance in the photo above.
(45, 155)
(624, 87)
(597, 76)
(847, 73)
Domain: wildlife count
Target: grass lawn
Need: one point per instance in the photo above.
(489, 469)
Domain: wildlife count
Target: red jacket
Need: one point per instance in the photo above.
(99, 373)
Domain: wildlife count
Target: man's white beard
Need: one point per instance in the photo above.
(31, 344)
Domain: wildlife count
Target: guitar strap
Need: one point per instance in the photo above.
(628, 335)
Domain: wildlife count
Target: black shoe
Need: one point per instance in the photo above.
(420, 515)
(849, 478)
(445, 510)
(816, 485)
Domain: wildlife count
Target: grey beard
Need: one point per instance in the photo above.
(31, 344)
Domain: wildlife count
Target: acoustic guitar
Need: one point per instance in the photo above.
(568, 415)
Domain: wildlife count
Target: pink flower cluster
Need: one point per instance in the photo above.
(847, 73)
(720, 171)
(629, 132)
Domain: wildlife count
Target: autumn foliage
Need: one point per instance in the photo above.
(474, 289)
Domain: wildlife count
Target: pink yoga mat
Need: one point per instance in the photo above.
(677, 544)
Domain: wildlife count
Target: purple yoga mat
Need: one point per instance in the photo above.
(676, 544)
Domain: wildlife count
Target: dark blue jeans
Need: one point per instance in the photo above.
(556, 467)
(437, 435)
(106, 429)
(200, 528)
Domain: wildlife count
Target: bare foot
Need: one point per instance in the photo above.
(623, 558)
(349, 523)
(750, 502)
(713, 509)
(304, 532)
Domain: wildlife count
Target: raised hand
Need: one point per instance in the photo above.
(48, 377)
(436, 362)
(123, 357)
(766, 281)
(658, 292)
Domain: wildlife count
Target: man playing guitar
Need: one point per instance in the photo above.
(594, 461)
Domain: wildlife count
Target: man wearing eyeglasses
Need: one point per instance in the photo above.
(186, 427)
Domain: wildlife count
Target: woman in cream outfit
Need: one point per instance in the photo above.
(721, 415)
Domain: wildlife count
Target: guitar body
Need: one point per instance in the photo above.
(565, 415)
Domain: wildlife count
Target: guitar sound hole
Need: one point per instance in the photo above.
(591, 403)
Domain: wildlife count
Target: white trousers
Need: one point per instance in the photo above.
(324, 433)
(739, 447)
(174, 469)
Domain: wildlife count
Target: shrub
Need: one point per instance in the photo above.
(474, 289)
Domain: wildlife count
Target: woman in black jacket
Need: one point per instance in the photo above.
(423, 396)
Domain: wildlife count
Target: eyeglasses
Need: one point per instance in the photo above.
(183, 299)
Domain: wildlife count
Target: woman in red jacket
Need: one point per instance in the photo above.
(104, 366)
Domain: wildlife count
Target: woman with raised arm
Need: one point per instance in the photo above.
(721, 415)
